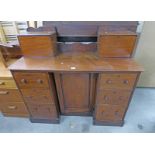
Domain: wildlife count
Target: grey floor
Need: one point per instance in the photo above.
(139, 118)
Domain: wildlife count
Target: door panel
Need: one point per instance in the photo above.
(74, 91)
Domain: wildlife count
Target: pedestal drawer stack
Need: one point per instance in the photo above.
(113, 95)
(39, 94)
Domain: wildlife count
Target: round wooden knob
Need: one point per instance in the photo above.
(40, 81)
(109, 81)
(116, 113)
(23, 81)
(126, 82)
(2, 83)
(106, 98)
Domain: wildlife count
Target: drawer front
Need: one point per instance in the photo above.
(109, 113)
(37, 96)
(15, 109)
(43, 111)
(31, 80)
(117, 80)
(113, 97)
(7, 84)
(10, 95)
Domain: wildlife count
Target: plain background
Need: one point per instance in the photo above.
(77, 144)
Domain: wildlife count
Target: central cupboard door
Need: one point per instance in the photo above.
(75, 92)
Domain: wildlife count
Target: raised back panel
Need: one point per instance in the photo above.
(88, 28)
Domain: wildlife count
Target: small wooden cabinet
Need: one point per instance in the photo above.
(76, 92)
(39, 94)
(116, 44)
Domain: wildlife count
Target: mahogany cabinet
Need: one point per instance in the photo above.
(76, 92)
(38, 91)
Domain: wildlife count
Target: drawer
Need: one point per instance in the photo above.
(43, 111)
(14, 109)
(10, 95)
(109, 113)
(113, 97)
(37, 96)
(117, 80)
(10, 83)
(31, 80)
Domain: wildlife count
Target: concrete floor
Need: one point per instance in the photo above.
(139, 118)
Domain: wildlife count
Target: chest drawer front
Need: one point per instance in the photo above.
(113, 97)
(10, 95)
(14, 109)
(37, 96)
(117, 81)
(31, 80)
(43, 111)
(109, 113)
(7, 83)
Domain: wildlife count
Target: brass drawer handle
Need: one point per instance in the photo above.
(23, 81)
(4, 92)
(2, 83)
(40, 81)
(12, 107)
(125, 81)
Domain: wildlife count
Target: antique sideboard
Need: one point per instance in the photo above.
(78, 68)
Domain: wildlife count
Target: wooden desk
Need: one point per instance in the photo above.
(85, 85)
(58, 75)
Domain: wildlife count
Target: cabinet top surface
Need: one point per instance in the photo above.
(77, 61)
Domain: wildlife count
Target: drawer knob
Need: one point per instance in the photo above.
(2, 83)
(116, 113)
(40, 81)
(23, 81)
(109, 81)
(4, 92)
(12, 107)
(126, 82)
(106, 98)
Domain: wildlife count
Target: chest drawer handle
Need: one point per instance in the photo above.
(4, 92)
(2, 83)
(12, 107)
(23, 81)
(40, 81)
(109, 81)
(106, 98)
(125, 81)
